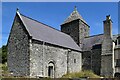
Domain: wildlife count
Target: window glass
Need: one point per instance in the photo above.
(74, 60)
(118, 40)
(118, 63)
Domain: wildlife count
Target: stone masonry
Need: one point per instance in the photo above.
(76, 27)
(18, 49)
(34, 58)
(38, 50)
(107, 49)
(41, 54)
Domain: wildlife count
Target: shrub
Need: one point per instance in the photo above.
(81, 74)
(3, 53)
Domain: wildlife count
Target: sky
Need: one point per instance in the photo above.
(119, 17)
(59, 0)
(55, 13)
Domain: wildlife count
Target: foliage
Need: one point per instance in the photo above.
(4, 67)
(81, 74)
(3, 53)
(5, 72)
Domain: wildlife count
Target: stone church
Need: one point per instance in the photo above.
(38, 50)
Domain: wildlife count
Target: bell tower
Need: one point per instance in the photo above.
(76, 27)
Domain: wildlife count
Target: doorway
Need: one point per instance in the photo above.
(51, 70)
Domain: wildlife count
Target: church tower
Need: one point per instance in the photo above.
(107, 49)
(76, 27)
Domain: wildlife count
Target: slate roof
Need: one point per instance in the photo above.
(92, 40)
(115, 37)
(43, 32)
(74, 16)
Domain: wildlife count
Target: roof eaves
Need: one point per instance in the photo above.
(94, 35)
(69, 21)
(85, 23)
(23, 22)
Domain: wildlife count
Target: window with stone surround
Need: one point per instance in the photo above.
(117, 62)
(74, 60)
(97, 46)
(118, 40)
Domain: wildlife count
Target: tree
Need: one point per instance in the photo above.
(3, 53)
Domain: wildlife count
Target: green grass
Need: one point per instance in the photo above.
(4, 67)
(5, 72)
(0, 71)
(81, 74)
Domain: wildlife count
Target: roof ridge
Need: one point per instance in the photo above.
(73, 16)
(94, 35)
(45, 24)
(39, 22)
(116, 34)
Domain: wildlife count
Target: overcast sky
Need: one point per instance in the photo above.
(54, 14)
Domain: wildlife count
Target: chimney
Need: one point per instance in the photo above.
(108, 27)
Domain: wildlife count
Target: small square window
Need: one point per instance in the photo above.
(118, 41)
(118, 63)
(74, 60)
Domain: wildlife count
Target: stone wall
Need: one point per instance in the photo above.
(18, 49)
(106, 65)
(72, 29)
(96, 61)
(42, 54)
(36, 57)
(86, 60)
(107, 68)
(83, 31)
(107, 60)
(117, 58)
(117, 52)
(75, 61)
(77, 29)
(91, 60)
